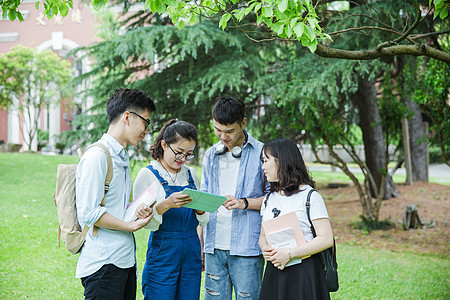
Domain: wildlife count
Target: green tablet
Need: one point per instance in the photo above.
(203, 201)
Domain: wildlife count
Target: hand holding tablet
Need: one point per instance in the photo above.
(203, 201)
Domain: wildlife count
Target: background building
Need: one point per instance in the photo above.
(60, 35)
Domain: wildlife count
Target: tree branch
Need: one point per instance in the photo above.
(416, 50)
(406, 33)
(420, 36)
(370, 27)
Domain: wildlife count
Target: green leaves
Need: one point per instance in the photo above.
(267, 12)
(299, 28)
(282, 6)
(98, 4)
(10, 10)
(158, 6)
(23, 70)
(63, 9)
(441, 8)
(224, 20)
(285, 18)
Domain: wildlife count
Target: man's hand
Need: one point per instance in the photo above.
(143, 211)
(139, 223)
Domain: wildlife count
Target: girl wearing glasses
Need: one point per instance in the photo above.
(173, 265)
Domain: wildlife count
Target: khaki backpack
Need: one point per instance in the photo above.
(64, 197)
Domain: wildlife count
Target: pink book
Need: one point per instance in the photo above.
(285, 232)
(148, 197)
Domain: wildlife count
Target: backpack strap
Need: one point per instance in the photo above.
(266, 199)
(109, 175)
(308, 206)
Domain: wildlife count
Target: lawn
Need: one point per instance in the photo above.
(33, 267)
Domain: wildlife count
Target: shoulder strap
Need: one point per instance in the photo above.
(109, 175)
(266, 199)
(158, 176)
(190, 179)
(308, 206)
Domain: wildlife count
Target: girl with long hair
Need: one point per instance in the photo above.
(290, 184)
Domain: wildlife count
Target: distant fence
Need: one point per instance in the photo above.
(324, 154)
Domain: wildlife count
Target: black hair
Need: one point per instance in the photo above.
(128, 99)
(228, 110)
(292, 171)
(171, 132)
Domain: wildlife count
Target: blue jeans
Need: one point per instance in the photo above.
(224, 272)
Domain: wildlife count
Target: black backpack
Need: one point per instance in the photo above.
(327, 256)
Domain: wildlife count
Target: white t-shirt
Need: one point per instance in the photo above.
(228, 174)
(146, 177)
(279, 205)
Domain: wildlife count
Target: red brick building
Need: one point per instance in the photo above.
(59, 35)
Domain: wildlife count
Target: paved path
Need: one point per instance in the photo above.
(434, 170)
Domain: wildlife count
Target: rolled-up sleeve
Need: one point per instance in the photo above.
(90, 182)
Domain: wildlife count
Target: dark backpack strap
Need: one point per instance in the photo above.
(267, 199)
(327, 256)
(308, 207)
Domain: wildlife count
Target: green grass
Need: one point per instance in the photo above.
(32, 267)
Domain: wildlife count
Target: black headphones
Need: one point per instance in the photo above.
(236, 152)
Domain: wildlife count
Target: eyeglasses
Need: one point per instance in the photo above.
(147, 122)
(180, 155)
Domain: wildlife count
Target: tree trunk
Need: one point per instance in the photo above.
(370, 123)
(416, 128)
(417, 143)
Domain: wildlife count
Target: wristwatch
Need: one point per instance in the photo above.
(245, 202)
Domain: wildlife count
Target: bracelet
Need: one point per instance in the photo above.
(245, 202)
(199, 214)
(290, 254)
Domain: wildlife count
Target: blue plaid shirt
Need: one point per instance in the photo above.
(245, 224)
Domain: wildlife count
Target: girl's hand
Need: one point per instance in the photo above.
(267, 252)
(143, 211)
(280, 258)
(177, 200)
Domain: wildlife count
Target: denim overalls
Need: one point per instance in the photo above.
(173, 267)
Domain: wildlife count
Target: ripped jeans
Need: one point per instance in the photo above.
(223, 272)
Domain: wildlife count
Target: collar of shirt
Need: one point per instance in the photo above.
(251, 142)
(116, 147)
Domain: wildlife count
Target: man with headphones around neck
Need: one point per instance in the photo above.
(232, 168)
